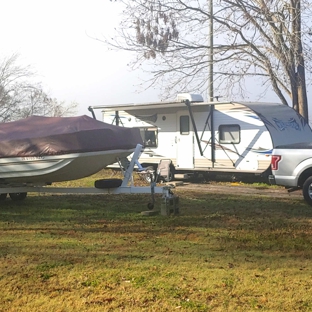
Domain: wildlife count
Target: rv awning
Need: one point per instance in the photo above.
(284, 124)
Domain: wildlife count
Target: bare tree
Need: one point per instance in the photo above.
(61, 109)
(14, 86)
(37, 102)
(266, 40)
(21, 97)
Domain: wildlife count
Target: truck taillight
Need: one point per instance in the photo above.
(274, 161)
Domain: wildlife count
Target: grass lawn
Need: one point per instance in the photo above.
(98, 253)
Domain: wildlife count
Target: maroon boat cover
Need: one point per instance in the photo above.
(40, 136)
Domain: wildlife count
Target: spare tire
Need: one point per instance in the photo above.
(107, 183)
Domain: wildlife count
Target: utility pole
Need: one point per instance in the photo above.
(210, 58)
(210, 81)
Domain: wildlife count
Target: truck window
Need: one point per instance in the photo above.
(229, 134)
(149, 137)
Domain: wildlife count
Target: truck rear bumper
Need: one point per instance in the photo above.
(288, 181)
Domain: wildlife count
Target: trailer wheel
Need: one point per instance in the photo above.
(3, 196)
(307, 190)
(149, 176)
(18, 196)
(107, 183)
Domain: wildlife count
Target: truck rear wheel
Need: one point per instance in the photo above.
(307, 190)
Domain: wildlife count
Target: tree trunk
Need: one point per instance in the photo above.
(301, 81)
(302, 92)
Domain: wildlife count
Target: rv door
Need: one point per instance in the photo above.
(185, 142)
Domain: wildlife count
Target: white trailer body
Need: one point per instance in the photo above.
(216, 137)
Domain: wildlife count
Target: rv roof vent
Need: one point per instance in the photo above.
(191, 97)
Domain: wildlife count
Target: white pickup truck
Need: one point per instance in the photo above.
(292, 167)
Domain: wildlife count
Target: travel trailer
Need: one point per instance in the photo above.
(211, 138)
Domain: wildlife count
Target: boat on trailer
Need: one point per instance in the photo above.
(110, 186)
(41, 150)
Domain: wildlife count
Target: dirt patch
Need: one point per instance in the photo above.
(236, 188)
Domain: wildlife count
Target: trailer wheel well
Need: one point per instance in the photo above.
(304, 175)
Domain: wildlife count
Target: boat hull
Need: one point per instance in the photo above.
(48, 169)
(43, 150)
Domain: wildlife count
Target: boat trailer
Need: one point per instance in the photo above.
(104, 186)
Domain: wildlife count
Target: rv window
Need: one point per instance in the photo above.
(184, 124)
(229, 134)
(149, 137)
